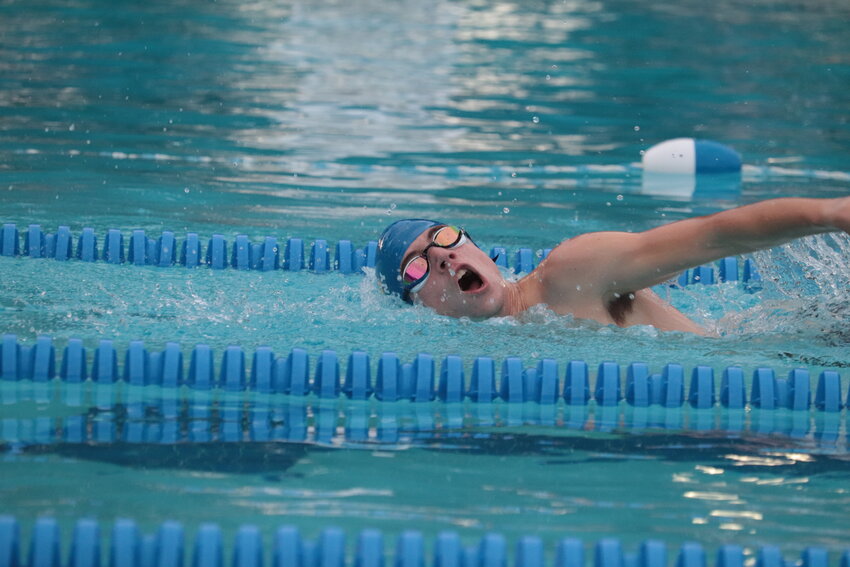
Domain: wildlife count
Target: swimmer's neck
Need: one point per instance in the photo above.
(519, 297)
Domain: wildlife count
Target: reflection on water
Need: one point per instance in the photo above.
(124, 417)
(369, 72)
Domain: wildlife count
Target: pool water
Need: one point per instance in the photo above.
(521, 122)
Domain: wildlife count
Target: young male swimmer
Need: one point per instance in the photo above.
(604, 276)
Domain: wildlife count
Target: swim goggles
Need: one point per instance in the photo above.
(416, 270)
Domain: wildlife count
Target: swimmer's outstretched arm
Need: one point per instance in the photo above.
(630, 261)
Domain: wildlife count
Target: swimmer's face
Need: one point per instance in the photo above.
(462, 281)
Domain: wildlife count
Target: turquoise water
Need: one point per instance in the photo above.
(329, 120)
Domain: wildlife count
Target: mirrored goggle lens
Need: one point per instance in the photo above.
(415, 270)
(447, 236)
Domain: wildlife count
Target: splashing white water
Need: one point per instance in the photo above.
(806, 286)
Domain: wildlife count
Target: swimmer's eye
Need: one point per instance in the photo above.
(416, 270)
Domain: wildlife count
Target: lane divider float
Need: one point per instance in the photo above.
(419, 380)
(295, 254)
(171, 545)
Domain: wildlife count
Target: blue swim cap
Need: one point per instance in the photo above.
(394, 242)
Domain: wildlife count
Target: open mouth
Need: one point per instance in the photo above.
(469, 281)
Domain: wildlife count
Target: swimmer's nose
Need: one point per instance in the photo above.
(442, 257)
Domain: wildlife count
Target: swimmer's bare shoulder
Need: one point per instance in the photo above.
(575, 277)
(584, 266)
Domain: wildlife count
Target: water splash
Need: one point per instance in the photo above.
(813, 277)
(819, 264)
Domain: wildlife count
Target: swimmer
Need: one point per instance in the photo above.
(604, 276)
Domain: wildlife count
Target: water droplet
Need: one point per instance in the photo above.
(535, 119)
(637, 128)
(186, 190)
(578, 288)
(619, 197)
(506, 210)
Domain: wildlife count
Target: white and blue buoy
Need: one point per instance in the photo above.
(684, 168)
(690, 156)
